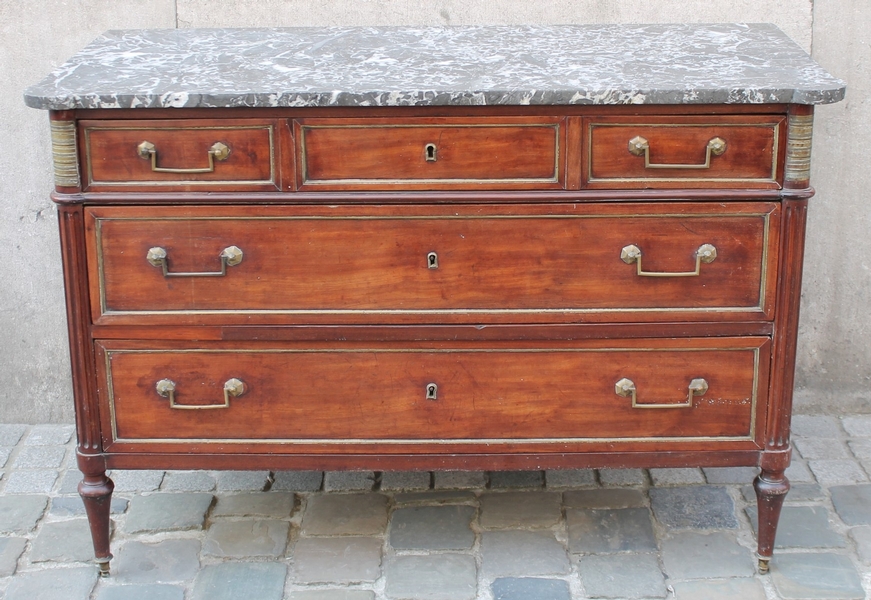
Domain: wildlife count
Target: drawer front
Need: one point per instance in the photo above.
(656, 390)
(641, 152)
(426, 153)
(230, 154)
(465, 264)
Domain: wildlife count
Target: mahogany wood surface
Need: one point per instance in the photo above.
(392, 153)
(112, 159)
(750, 158)
(511, 263)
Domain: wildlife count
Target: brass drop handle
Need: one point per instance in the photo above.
(626, 388)
(232, 387)
(639, 146)
(432, 391)
(230, 257)
(218, 151)
(706, 253)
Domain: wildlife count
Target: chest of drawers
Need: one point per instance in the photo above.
(433, 277)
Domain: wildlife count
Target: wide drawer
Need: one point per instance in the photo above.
(181, 154)
(596, 391)
(716, 151)
(428, 153)
(534, 263)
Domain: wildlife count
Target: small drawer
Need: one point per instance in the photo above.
(657, 390)
(532, 263)
(497, 153)
(182, 154)
(661, 152)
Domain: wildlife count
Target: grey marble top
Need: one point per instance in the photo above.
(416, 66)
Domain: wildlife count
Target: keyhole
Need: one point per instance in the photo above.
(432, 391)
(431, 152)
(432, 260)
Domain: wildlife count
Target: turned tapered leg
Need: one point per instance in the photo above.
(771, 488)
(96, 491)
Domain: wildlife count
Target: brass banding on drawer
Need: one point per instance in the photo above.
(181, 154)
(498, 394)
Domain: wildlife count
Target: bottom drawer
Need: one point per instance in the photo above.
(599, 391)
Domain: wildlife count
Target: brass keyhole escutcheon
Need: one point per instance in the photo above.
(432, 260)
(432, 391)
(431, 152)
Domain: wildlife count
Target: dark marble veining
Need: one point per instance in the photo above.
(415, 66)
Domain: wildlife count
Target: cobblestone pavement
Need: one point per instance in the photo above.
(554, 535)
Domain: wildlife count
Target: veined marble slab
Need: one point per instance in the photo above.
(419, 66)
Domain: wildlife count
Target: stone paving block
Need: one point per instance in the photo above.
(802, 527)
(622, 477)
(816, 577)
(337, 594)
(432, 528)
(860, 448)
(800, 492)
(515, 510)
(11, 434)
(240, 581)
(30, 481)
(348, 481)
(460, 480)
(154, 591)
(862, 537)
(855, 425)
(798, 472)
(570, 478)
(852, 503)
(722, 589)
(63, 541)
(435, 497)
(49, 435)
(821, 448)
(609, 498)
(337, 560)
(165, 512)
(722, 475)
(530, 588)
(836, 472)
(19, 514)
(405, 480)
(70, 482)
(610, 530)
(53, 584)
(691, 555)
(40, 457)
(622, 576)
(160, 562)
(662, 477)
(136, 481)
(10, 551)
(297, 481)
(434, 577)
(251, 537)
(237, 481)
(4, 455)
(277, 505)
(345, 514)
(72, 506)
(188, 481)
(522, 553)
(815, 426)
(696, 507)
(500, 480)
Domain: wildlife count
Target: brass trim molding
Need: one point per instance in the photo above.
(63, 154)
(798, 148)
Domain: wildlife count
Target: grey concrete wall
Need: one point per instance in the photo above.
(34, 37)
